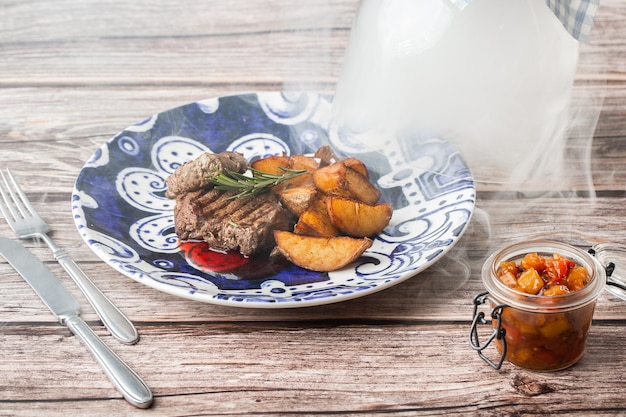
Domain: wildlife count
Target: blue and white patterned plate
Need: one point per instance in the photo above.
(120, 210)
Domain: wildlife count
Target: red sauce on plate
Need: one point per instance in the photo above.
(200, 256)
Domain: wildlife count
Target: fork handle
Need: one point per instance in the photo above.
(127, 382)
(113, 319)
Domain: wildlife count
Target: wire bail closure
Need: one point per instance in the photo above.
(498, 333)
(609, 268)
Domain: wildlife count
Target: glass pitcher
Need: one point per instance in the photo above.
(493, 77)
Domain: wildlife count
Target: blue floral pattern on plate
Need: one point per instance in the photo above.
(120, 210)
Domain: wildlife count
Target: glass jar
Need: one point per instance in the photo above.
(536, 332)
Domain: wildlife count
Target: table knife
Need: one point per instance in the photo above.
(66, 308)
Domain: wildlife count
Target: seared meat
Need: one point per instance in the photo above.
(192, 175)
(244, 224)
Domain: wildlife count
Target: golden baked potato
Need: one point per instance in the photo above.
(320, 253)
(343, 180)
(315, 220)
(358, 219)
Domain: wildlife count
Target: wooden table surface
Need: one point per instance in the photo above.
(74, 73)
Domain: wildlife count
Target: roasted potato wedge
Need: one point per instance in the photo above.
(358, 166)
(299, 181)
(297, 199)
(340, 180)
(319, 253)
(272, 164)
(315, 220)
(358, 219)
(303, 162)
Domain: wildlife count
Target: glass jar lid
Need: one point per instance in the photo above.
(540, 303)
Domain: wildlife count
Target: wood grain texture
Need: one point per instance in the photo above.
(256, 369)
(74, 73)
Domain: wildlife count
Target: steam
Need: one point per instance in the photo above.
(499, 80)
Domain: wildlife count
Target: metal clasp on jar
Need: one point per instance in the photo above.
(498, 333)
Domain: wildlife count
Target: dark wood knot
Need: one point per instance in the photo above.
(527, 386)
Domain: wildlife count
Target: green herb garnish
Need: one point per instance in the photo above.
(227, 180)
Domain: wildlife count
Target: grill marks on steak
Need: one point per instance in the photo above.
(201, 212)
(242, 224)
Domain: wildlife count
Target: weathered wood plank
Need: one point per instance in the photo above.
(249, 369)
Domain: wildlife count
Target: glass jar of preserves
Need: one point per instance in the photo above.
(538, 326)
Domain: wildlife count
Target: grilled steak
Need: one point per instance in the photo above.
(244, 224)
(192, 175)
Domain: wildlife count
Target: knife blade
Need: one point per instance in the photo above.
(67, 309)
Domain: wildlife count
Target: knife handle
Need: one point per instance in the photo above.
(127, 382)
(113, 319)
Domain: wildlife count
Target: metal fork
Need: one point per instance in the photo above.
(26, 223)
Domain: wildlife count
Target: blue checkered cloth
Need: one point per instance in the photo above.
(575, 15)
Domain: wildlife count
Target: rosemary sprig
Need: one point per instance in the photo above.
(247, 185)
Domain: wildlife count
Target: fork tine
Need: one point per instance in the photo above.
(19, 199)
(6, 206)
(17, 209)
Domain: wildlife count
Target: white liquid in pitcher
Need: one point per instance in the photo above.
(494, 78)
